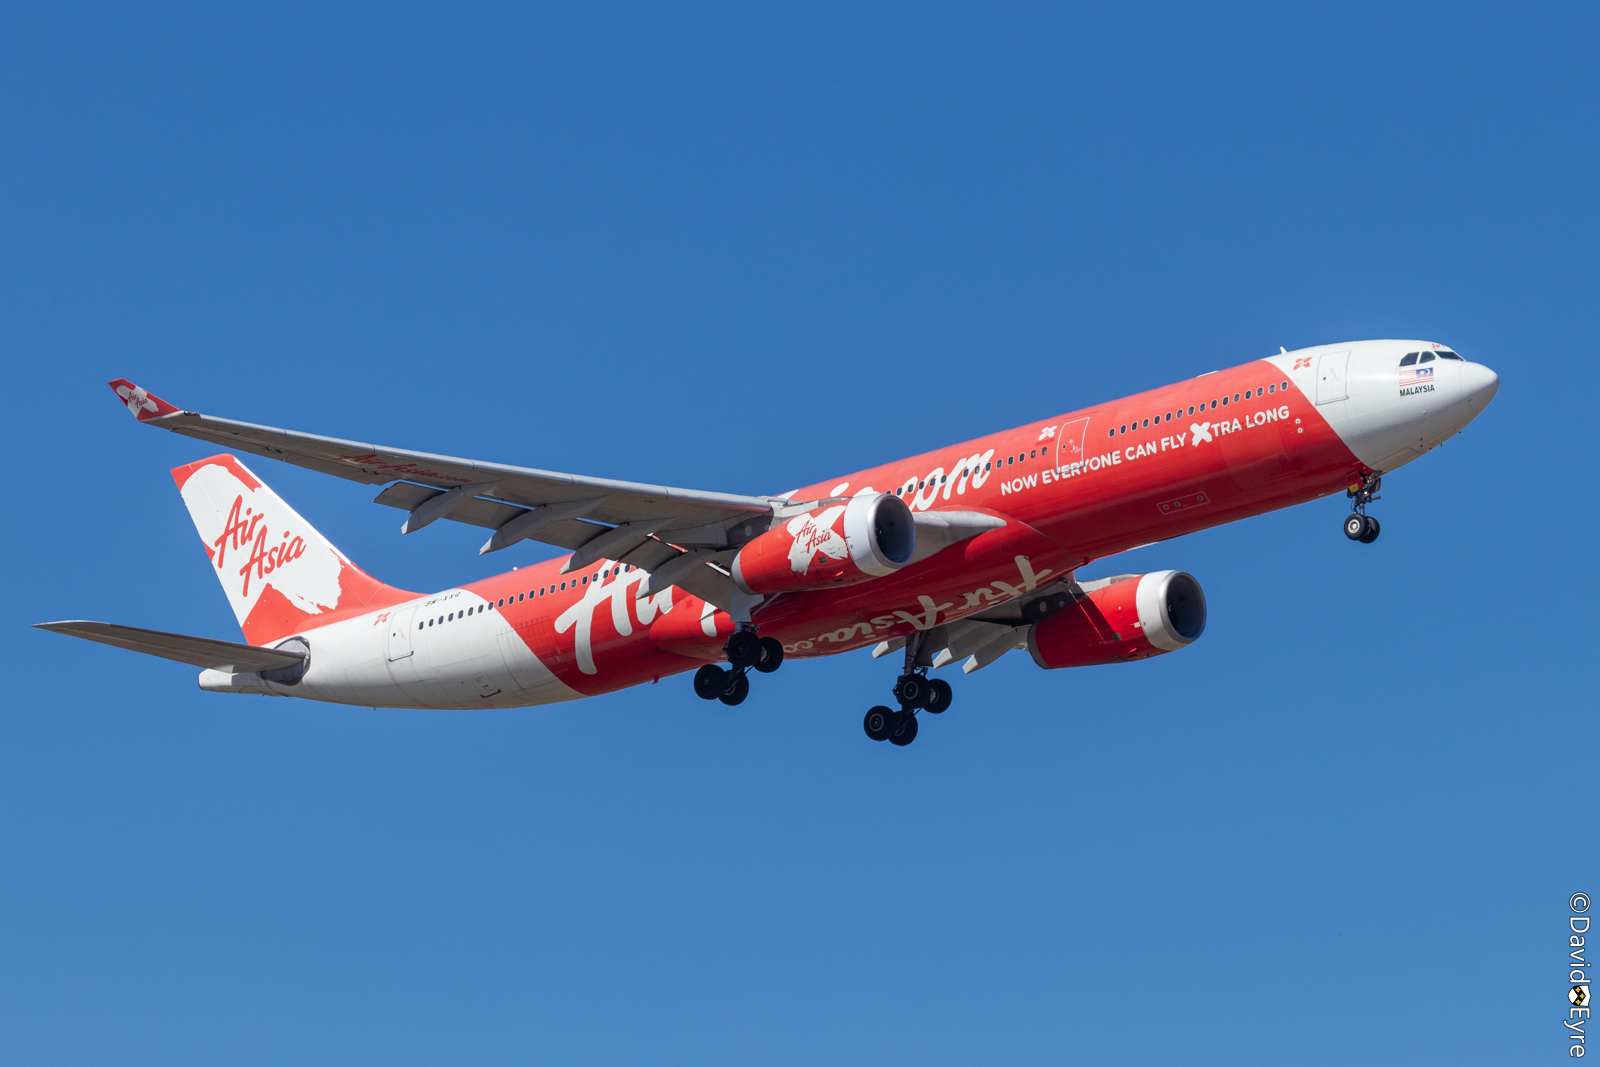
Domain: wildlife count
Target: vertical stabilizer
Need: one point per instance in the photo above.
(280, 575)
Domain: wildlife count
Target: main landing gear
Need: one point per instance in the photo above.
(1358, 525)
(914, 691)
(744, 650)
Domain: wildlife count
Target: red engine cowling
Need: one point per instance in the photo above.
(839, 544)
(1134, 618)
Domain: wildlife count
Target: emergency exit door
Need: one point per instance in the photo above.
(1332, 368)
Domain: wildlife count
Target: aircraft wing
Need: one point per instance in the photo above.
(597, 517)
(227, 656)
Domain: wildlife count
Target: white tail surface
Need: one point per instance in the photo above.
(280, 575)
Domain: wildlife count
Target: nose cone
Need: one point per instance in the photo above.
(1478, 385)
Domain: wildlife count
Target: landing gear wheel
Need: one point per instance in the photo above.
(743, 649)
(736, 691)
(710, 681)
(1355, 526)
(770, 655)
(879, 723)
(911, 690)
(939, 696)
(1372, 530)
(905, 731)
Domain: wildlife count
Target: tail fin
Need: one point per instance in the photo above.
(279, 573)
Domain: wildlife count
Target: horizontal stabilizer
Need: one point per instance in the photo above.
(198, 651)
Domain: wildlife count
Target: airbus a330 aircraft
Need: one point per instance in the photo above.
(955, 556)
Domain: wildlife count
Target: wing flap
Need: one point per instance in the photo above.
(227, 656)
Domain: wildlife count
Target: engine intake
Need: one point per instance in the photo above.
(1132, 618)
(839, 544)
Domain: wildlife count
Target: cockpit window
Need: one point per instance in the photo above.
(1445, 353)
(1409, 359)
(1427, 357)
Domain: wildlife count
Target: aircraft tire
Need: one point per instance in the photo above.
(911, 690)
(1355, 526)
(905, 732)
(940, 696)
(771, 655)
(1371, 533)
(743, 649)
(878, 723)
(737, 690)
(710, 681)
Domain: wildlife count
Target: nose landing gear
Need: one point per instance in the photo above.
(744, 650)
(1358, 525)
(914, 691)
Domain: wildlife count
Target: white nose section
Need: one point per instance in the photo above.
(1478, 384)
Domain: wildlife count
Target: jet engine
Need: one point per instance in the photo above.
(837, 544)
(1134, 616)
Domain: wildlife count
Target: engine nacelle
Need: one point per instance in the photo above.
(839, 544)
(1133, 618)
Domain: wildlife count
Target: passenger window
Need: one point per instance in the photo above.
(1272, 388)
(1191, 409)
(1235, 398)
(1031, 455)
(1409, 359)
(1427, 357)
(420, 625)
(1111, 432)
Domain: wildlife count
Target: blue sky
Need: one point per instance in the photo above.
(745, 249)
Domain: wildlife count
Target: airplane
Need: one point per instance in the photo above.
(958, 555)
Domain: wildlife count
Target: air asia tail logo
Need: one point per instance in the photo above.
(246, 532)
(813, 534)
(257, 542)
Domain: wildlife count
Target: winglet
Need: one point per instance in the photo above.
(143, 405)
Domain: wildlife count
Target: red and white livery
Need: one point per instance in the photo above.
(953, 557)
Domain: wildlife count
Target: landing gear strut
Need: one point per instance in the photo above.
(744, 650)
(1358, 525)
(914, 691)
